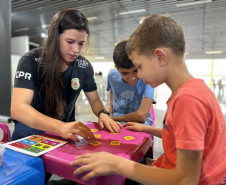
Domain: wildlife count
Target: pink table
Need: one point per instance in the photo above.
(133, 147)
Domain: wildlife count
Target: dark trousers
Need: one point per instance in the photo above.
(21, 130)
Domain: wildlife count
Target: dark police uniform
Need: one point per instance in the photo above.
(78, 76)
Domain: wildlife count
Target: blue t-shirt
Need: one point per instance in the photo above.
(128, 98)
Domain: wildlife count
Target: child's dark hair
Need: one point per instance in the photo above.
(157, 31)
(120, 56)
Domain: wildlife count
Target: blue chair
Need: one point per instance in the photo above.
(21, 169)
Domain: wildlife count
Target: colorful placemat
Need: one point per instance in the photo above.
(34, 145)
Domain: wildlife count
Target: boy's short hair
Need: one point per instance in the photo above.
(120, 56)
(157, 31)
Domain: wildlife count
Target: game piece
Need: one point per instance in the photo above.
(97, 135)
(115, 143)
(93, 130)
(95, 143)
(82, 142)
(129, 137)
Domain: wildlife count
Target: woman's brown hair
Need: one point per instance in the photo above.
(50, 59)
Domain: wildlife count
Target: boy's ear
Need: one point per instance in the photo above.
(161, 55)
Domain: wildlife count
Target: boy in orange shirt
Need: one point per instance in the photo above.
(193, 133)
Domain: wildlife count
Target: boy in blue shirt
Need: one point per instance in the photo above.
(130, 98)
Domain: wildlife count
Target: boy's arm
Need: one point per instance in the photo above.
(187, 171)
(104, 120)
(140, 115)
(155, 131)
(143, 128)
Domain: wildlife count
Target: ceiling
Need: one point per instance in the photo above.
(203, 21)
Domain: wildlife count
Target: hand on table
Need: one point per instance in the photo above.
(99, 163)
(68, 131)
(135, 126)
(110, 124)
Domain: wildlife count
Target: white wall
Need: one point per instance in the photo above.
(19, 45)
(104, 67)
(14, 61)
(205, 69)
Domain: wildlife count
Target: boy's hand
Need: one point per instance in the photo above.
(135, 126)
(100, 163)
(110, 124)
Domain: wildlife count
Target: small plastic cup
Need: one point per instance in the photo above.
(2, 150)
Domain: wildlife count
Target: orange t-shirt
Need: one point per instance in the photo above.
(194, 121)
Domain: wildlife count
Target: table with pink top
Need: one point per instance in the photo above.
(129, 144)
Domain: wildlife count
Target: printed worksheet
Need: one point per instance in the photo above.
(35, 145)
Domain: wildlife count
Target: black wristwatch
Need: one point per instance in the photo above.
(103, 111)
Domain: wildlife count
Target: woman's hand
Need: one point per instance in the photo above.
(99, 163)
(68, 131)
(105, 121)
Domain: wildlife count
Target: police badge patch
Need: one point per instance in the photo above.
(75, 83)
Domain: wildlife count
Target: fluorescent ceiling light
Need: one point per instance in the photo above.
(213, 52)
(132, 11)
(43, 35)
(21, 29)
(99, 58)
(45, 25)
(92, 18)
(34, 44)
(193, 3)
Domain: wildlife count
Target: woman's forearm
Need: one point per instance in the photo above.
(26, 114)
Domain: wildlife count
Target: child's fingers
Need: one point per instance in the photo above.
(128, 124)
(119, 124)
(80, 160)
(83, 156)
(101, 124)
(115, 128)
(130, 128)
(88, 176)
(109, 128)
(81, 169)
(86, 168)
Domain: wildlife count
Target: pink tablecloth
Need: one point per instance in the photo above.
(133, 145)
